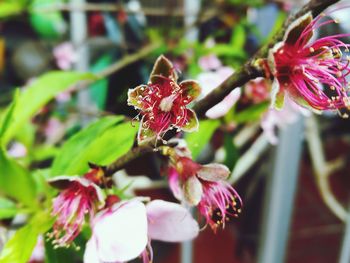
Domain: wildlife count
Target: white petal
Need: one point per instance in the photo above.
(121, 234)
(170, 222)
(90, 254)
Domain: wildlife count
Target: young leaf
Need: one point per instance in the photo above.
(197, 140)
(19, 248)
(8, 208)
(100, 143)
(30, 101)
(15, 181)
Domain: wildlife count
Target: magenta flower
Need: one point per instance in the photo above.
(79, 197)
(163, 103)
(204, 186)
(312, 72)
(124, 231)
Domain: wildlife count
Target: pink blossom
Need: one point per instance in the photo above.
(124, 231)
(257, 90)
(119, 233)
(312, 72)
(212, 79)
(274, 119)
(220, 109)
(79, 197)
(163, 103)
(204, 186)
(54, 130)
(209, 62)
(38, 254)
(17, 150)
(65, 55)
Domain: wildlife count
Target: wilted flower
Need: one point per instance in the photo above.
(163, 102)
(124, 230)
(79, 197)
(204, 186)
(312, 72)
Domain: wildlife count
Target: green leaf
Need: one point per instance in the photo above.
(33, 98)
(197, 140)
(231, 151)
(102, 142)
(8, 209)
(8, 115)
(47, 24)
(252, 113)
(15, 181)
(11, 8)
(238, 37)
(19, 248)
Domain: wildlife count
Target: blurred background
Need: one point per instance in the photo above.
(290, 168)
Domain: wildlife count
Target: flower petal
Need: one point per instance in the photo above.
(121, 234)
(190, 89)
(163, 67)
(174, 183)
(296, 28)
(277, 96)
(145, 134)
(193, 190)
(134, 96)
(90, 254)
(191, 124)
(64, 181)
(225, 105)
(170, 222)
(213, 172)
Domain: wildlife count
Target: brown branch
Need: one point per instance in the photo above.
(131, 155)
(239, 78)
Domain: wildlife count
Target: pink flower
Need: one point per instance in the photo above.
(312, 72)
(257, 90)
(163, 103)
(212, 79)
(65, 55)
(119, 233)
(123, 231)
(38, 254)
(209, 62)
(274, 119)
(204, 186)
(17, 150)
(79, 197)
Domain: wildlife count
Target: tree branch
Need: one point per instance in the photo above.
(237, 79)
